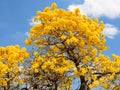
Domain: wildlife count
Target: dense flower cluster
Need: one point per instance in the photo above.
(11, 57)
(72, 42)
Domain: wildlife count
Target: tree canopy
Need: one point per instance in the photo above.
(65, 46)
(72, 43)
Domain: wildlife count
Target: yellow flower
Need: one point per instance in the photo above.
(91, 86)
(27, 42)
(96, 60)
(77, 10)
(54, 5)
(95, 83)
(35, 53)
(101, 80)
(111, 77)
(82, 43)
(46, 9)
(4, 83)
(74, 39)
(21, 81)
(105, 85)
(84, 61)
(63, 37)
(96, 20)
(23, 49)
(38, 12)
(36, 70)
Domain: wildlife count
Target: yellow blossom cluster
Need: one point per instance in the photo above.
(52, 67)
(106, 71)
(69, 26)
(65, 42)
(10, 59)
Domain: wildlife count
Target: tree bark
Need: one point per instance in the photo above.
(88, 87)
(8, 83)
(83, 83)
(4, 88)
(55, 86)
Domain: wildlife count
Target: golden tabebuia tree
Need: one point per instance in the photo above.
(68, 45)
(11, 57)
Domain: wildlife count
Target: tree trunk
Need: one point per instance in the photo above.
(55, 86)
(8, 83)
(4, 88)
(88, 87)
(83, 83)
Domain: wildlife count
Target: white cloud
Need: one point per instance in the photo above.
(97, 8)
(110, 31)
(32, 22)
(27, 34)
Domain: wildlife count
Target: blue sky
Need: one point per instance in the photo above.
(16, 15)
(16, 18)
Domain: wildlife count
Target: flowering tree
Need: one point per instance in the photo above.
(65, 45)
(11, 57)
(69, 45)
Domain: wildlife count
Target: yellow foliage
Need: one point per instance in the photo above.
(11, 58)
(71, 42)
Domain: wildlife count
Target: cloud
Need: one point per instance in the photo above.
(97, 8)
(110, 31)
(32, 22)
(27, 34)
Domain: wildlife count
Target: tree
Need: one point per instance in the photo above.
(69, 45)
(11, 57)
